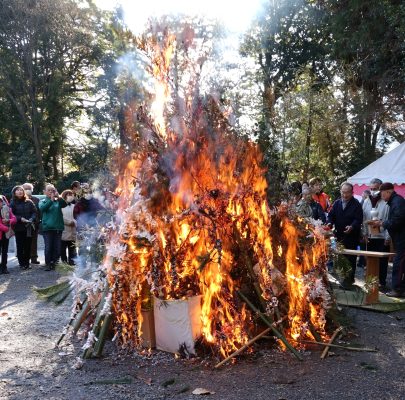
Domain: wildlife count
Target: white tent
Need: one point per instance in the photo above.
(389, 168)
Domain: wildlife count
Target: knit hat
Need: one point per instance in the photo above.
(386, 186)
(17, 187)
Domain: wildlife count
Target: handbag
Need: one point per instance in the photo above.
(10, 233)
(5, 214)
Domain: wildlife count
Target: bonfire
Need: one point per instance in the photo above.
(193, 222)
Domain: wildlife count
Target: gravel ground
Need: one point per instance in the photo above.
(31, 368)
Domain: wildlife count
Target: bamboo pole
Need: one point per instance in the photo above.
(341, 347)
(315, 334)
(98, 347)
(97, 322)
(235, 353)
(326, 349)
(78, 315)
(81, 317)
(270, 324)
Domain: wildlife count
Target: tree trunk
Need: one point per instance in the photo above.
(36, 138)
(308, 136)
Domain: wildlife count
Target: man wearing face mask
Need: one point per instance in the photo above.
(69, 233)
(376, 238)
(29, 188)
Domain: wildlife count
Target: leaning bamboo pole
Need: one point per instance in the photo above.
(338, 346)
(326, 349)
(235, 353)
(270, 324)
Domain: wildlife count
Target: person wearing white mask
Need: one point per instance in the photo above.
(376, 238)
(29, 189)
(68, 240)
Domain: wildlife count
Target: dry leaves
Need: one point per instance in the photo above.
(202, 392)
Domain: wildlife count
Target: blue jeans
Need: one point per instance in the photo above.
(52, 241)
(398, 270)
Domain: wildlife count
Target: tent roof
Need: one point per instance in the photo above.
(389, 168)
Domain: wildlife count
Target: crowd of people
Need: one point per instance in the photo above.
(59, 218)
(375, 223)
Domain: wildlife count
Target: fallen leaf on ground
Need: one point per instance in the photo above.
(202, 391)
(4, 314)
(148, 381)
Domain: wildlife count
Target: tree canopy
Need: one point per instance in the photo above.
(321, 83)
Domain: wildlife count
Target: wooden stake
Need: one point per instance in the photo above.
(235, 353)
(326, 349)
(341, 347)
(270, 324)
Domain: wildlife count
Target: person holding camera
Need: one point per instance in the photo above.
(52, 225)
(25, 211)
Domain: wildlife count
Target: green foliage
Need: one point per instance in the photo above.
(332, 76)
(56, 294)
(50, 52)
(326, 95)
(341, 266)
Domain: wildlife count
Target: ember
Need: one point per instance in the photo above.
(193, 220)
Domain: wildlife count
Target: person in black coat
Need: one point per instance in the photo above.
(347, 216)
(395, 224)
(29, 188)
(25, 211)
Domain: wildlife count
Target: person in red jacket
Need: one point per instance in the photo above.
(319, 195)
(7, 221)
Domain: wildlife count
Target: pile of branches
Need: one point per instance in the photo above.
(263, 266)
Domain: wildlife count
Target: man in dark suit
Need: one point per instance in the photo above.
(395, 224)
(347, 216)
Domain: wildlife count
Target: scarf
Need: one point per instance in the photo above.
(375, 200)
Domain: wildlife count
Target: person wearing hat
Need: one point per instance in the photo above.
(395, 224)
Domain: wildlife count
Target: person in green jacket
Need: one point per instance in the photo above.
(52, 225)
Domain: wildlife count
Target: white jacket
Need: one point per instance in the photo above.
(383, 210)
(69, 233)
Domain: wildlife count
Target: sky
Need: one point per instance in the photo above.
(235, 14)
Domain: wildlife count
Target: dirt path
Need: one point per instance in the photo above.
(30, 367)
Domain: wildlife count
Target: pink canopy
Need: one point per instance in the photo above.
(389, 168)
